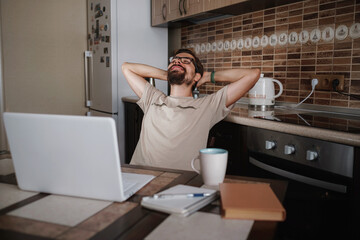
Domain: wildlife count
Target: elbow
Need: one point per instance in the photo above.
(124, 66)
(257, 73)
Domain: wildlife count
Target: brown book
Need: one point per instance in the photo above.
(250, 201)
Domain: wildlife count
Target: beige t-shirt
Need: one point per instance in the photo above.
(174, 129)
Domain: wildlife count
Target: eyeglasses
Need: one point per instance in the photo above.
(184, 60)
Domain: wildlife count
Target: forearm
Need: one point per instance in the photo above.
(135, 74)
(241, 80)
(245, 81)
(145, 71)
(232, 75)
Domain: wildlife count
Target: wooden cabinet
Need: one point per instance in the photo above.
(215, 4)
(133, 121)
(232, 137)
(164, 11)
(194, 7)
(176, 9)
(159, 12)
(183, 8)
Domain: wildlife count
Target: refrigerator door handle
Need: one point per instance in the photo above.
(87, 55)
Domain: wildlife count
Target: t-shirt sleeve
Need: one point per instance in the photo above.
(218, 105)
(149, 95)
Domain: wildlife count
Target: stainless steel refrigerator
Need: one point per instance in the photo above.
(101, 61)
(119, 31)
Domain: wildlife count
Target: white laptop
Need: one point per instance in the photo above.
(69, 155)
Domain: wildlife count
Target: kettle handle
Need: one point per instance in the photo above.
(281, 87)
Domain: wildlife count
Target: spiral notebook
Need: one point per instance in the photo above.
(180, 206)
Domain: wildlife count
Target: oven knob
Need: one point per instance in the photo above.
(311, 155)
(269, 145)
(289, 149)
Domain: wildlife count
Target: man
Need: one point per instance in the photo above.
(176, 127)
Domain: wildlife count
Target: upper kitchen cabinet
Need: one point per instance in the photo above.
(164, 11)
(215, 4)
(183, 8)
(176, 9)
(159, 12)
(177, 13)
(194, 6)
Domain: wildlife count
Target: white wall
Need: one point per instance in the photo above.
(138, 42)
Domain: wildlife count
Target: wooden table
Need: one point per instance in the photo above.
(126, 220)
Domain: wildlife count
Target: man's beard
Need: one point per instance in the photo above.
(177, 77)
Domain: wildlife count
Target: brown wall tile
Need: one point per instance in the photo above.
(294, 65)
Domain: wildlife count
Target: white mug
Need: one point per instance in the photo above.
(213, 163)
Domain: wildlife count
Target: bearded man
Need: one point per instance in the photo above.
(176, 127)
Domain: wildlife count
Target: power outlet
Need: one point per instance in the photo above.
(325, 82)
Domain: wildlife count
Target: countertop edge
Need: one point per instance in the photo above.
(350, 139)
(316, 133)
(131, 99)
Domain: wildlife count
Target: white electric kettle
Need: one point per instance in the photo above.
(262, 95)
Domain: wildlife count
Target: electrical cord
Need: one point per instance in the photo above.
(336, 83)
(314, 82)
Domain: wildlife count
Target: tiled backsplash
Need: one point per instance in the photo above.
(289, 43)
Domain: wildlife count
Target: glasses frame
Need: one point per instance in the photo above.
(181, 60)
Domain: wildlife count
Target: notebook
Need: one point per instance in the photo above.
(69, 155)
(250, 201)
(183, 205)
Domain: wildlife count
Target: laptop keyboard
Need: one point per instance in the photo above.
(133, 182)
(127, 184)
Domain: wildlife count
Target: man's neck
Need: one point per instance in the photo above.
(180, 91)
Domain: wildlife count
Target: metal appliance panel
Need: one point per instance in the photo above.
(311, 181)
(332, 157)
(102, 44)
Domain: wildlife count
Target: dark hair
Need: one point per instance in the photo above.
(198, 66)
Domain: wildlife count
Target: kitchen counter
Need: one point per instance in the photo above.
(240, 114)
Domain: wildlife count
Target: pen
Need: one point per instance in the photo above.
(181, 195)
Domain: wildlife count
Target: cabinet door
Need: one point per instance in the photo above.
(133, 121)
(175, 9)
(164, 11)
(159, 12)
(184, 8)
(232, 137)
(193, 6)
(214, 4)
